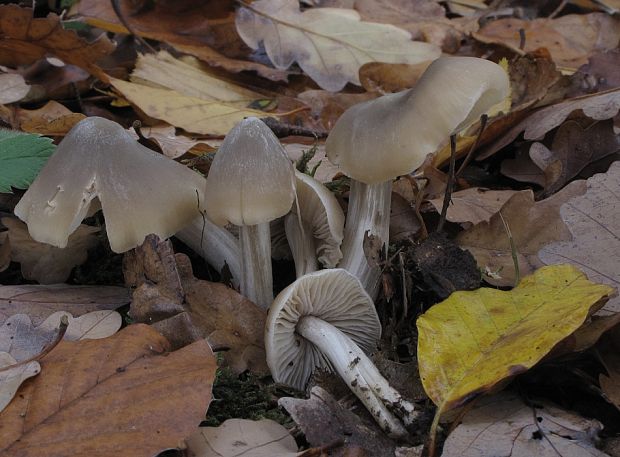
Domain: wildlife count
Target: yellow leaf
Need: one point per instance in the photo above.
(193, 114)
(473, 340)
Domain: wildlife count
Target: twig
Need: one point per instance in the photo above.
(62, 329)
(470, 154)
(451, 178)
(559, 9)
(117, 10)
(322, 450)
(513, 250)
(521, 39)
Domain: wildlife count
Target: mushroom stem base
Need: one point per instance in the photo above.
(360, 374)
(369, 211)
(256, 276)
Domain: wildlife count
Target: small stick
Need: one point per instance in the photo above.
(513, 250)
(322, 450)
(62, 329)
(470, 154)
(451, 178)
(117, 10)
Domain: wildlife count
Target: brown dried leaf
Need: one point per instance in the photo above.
(52, 119)
(599, 74)
(326, 107)
(13, 377)
(532, 224)
(321, 408)
(73, 407)
(26, 39)
(13, 88)
(609, 353)
(39, 302)
(531, 77)
(570, 39)
(173, 145)
(390, 77)
(504, 425)
(43, 262)
(5, 251)
(593, 219)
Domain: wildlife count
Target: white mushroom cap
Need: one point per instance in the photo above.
(380, 139)
(251, 179)
(140, 191)
(335, 296)
(322, 215)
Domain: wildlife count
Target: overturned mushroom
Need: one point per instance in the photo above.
(140, 192)
(326, 319)
(250, 183)
(314, 227)
(376, 141)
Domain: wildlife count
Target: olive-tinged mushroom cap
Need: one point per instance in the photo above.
(322, 216)
(237, 189)
(335, 296)
(140, 191)
(391, 135)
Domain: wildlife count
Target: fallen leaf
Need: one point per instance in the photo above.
(326, 107)
(22, 156)
(5, 251)
(521, 168)
(27, 39)
(173, 145)
(39, 302)
(599, 74)
(474, 205)
(608, 352)
(325, 170)
(329, 44)
(390, 77)
(594, 222)
(13, 377)
(13, 88)
(504, 425)
(403, 222)
(534, 127)
(570, 50)
(235, 437)
(74, 406)
(51, 119)
(532, 225)
(324, 421)
(43, 262)
(531, 78)
(193, 114)
(184, 308)
(474, 340)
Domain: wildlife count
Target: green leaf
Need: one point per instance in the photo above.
(22, 155)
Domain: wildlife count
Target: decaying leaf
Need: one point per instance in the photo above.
(184, 308)
(43, 262)
(193, 114)
(113, 396)
(594, 222)
(609, 353)
(596, 31)
(390, 77)
(504, 425)
(236, 437)
(39, 302)
(532, 225)
(472, 341)
(326, 107)
(51, 119)
(12, 375)
(13, 88)
(173, 145)
(5, 251)
(329, 44)
(27, 39)
(320, 409)
(474, 205)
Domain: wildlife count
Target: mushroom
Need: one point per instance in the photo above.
(326, 319)
(376, 141)
(140, 191)
(314, 227)
(250, 183)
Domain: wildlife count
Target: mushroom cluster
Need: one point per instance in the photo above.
(326, 318)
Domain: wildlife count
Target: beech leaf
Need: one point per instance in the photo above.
(594, 221)
(473, 340)
(329, 44)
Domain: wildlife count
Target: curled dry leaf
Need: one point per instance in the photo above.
(72, 407)
(390, 77)
(504, 425)
(52, 119)
(472, 341)
(532, 225)
(329, 44)
(13, 88)
(39, 302)
(594, 222)
(27, 39)
(43, 262)
(235, 437)
(173, 145)
(568, 49)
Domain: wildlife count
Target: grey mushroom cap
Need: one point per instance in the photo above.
(251, 179)
(140, 191)
(389, 136)
(335, 296)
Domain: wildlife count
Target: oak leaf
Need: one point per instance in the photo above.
(329, 44)
(474, 340)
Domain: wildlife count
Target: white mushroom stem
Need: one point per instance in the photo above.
(214, 244)
(360, 374)
(369, 211)
(302, 245)
(255, 258)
